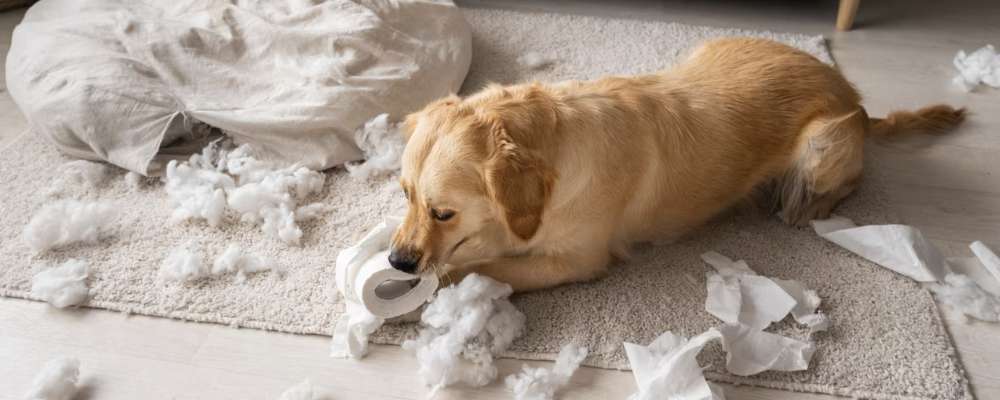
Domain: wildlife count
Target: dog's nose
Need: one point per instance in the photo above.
(404, 259)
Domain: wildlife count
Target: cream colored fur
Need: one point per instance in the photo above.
(542, 184)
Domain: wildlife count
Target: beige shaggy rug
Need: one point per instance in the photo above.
(887, 341)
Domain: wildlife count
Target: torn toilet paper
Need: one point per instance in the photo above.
(373, 290)
(989, 259)
(668, 368)
(806, 303)
(904, 249)
(750, 351)
(900, 248)
(737, 295)
(964, 294)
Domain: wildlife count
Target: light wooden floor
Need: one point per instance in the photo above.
(899, 56)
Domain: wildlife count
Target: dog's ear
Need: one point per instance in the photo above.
(517, 175)
(519, 183)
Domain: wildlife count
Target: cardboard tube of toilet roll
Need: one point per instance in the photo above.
(400, 297)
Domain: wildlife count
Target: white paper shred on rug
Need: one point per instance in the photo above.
(987, 257)
(900, 248)
(903, 249)
(748, 303)
(750, 351)
(57, 380)
(543, 383)
(807, 301)
(668, 368)
(62, 286)
(737, 295)
(463, 328)
(65, 222)
(964, 294)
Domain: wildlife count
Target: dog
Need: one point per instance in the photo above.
(538, 185)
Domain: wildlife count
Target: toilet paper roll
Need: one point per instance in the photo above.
(364, 276)
(387, 292)
(350, 260)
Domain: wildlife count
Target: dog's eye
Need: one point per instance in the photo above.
(442, 215)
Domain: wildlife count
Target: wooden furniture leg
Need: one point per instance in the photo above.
(845, 16)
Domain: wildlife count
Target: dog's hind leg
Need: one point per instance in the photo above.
(826, 169)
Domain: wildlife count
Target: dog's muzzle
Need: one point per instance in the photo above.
(404, 259)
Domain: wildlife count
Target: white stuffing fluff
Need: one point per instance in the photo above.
(980, 67)
(196, 188)
(235, 260)
(62, 286)
(464, 326)
(268, 196)
(311, 211)
(303, 391)
(85, 172)
(543, 383)
(964, 294)
(382, 144)
(56, 381)
(532, 60)
(68, 221)
(183, 264)
(262, 193)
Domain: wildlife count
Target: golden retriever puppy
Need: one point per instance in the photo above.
(538, 185)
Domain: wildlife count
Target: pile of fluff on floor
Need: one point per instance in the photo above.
(463, 328)
(185, 264)
(62, 286)
(543, 383)
(305, 390)
(56, 381)
(65, 222)
(258, 192)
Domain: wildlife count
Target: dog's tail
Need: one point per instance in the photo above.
(936, 119)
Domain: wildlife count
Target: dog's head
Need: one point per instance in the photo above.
(475, 177)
